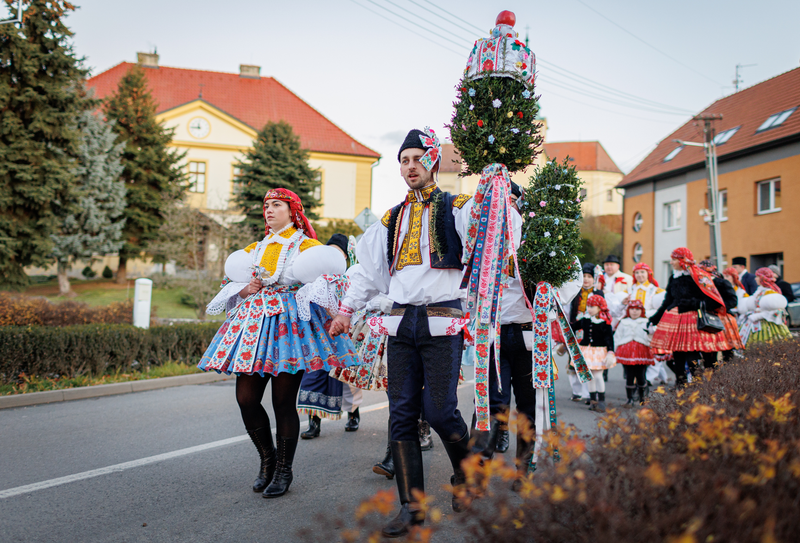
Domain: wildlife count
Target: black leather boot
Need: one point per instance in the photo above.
(386, 466)
(502, 443)
(457, 451)
(484, 442)
(314, 427)
(524, 457)
(425, 438)
(262, 439)
(643, 392)
(408, 460)
(353, 420)
(601, 402)
(629, 390)
(283, 470)
(592, 401)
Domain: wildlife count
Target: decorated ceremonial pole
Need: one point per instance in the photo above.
(495, 130)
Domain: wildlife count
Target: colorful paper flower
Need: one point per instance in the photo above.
(496, 103)
(542, 203)
(561, 201)
(526, 94)
(510, 114)
(558, 187)
(480, 123)
(502, 149)
(491, 138)
(556, 221)
(515, 130)
(471, 92)
(471, 107)
(531, 214)
(547, 234)
(519, 114)
(552, 253)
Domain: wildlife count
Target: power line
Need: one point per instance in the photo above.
(653, 47)
(455, 17)
(417, 22)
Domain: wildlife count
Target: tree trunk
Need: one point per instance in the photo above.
(122, 270)
(63, 280)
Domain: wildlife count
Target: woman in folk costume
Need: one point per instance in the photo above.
(632, 342)
(764, 322)
(322, 396)
(731, 300)
(677, 332)
(732, 276)
(264, 340)
(597, 346)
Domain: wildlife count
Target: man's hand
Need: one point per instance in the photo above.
(252, 287)
(340, 325)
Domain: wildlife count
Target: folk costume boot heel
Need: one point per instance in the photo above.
(386, 466)
(457, 451)
(643, 391)
(629, 390)
(283, 470)
(601, 402)
(353, 420)
(408, 462)
(425, 439)
(262, 439)
(502, 438)
(592, 401)
(314, 427)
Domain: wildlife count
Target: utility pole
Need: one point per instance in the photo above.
(713, 211)
(738, 79)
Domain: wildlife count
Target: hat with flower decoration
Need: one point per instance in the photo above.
(425, 140)
(502, 54)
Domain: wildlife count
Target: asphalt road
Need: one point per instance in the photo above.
(144, 485)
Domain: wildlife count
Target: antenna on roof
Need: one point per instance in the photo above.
(200, 95)
(738, 79)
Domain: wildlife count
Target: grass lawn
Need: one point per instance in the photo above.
(97, 292)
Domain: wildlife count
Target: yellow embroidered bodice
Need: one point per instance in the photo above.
(269, 260)
(585, 293)
(410, 253)
(641, 293)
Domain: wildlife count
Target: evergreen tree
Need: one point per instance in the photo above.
(98, 200)
(276, 160)
(152, 173)
(39, 102)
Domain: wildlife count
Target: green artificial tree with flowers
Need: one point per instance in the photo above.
(551, 212)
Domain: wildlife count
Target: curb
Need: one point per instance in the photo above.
(80, 393)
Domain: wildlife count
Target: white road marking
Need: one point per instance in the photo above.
(27, 489)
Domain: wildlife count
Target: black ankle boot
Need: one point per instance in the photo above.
(592, 401)
(502, 438)
(353, 420)
(262, 439)
(601, 402)
(425, 439)
(457, 451)
(643, 394)
(386, 466)
(314, 427)
(408, 460)
(283, 470)
(629, 390)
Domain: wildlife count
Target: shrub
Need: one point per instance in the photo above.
(97, 349)
(20, 310)
(88, 272)
(107, 273)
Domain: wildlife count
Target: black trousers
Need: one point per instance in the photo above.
(516, 372)
(423, 377)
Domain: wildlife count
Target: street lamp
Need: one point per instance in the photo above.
(712, 185)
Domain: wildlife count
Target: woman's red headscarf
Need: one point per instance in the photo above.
(701, 278)
(645, 267)
(295, 210)
(734, 275)
(634, 304)
(599, 301)
(768, 279)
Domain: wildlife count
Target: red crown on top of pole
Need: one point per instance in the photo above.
(506, 17)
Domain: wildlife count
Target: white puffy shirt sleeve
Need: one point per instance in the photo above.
(371, 278)
(462, 220)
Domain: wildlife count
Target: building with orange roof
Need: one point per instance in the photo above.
(217, 115)
(758, 150)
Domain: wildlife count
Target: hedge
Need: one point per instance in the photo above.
(22, 310)
(68, 351)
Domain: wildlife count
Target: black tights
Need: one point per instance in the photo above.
(634, 375)
(250, 391)
(678, 365)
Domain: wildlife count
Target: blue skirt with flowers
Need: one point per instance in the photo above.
(264, 335)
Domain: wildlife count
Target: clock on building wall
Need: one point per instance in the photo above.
(199, 128)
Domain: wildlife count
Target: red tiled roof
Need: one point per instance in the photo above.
(584, 155)
(250, 100)
(747, 109)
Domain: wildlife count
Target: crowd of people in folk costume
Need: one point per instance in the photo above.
(322, 322)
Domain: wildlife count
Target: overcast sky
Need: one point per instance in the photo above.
(622, 72)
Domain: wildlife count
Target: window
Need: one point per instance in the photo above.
(236, 185)
(318, 189)
(723, 137)
(637, 252)
(197, 177)
(672, 154)
(609, 196)
(775, 120)
(638, 221)
(672, 216)
(769, 196)
(722, 206)
(583, 194)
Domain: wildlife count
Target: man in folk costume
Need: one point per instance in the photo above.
(614, 284)
(746, 278)
(413, 255)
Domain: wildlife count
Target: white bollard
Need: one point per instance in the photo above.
(142, 294)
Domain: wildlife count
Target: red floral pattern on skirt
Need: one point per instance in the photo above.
(634, 353)
(678, 332)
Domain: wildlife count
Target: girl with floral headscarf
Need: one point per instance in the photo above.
(275, 331)
(645, 289)
(764, 311)
(688, 289)
(597, 345)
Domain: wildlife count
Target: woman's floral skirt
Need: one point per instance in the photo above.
(634, 353)
(678, 332)
(732, 331)
(769, 333)
(255, 341)
(371, 373)
(595, 357)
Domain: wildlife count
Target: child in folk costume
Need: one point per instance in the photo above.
(632, 342)
(264, 339)
(597, 345)
(764, 310)
(577, 310)
(676, 319)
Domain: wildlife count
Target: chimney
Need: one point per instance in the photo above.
(248, 70)
(148, 60)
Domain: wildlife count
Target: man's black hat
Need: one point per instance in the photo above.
(340, 240)
(516, 190)
(612, 258)
(412, 141)
(742, 261)
(588, 268)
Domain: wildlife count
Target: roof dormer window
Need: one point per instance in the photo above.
(775, 120)
(672, 154)
(723, 137)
